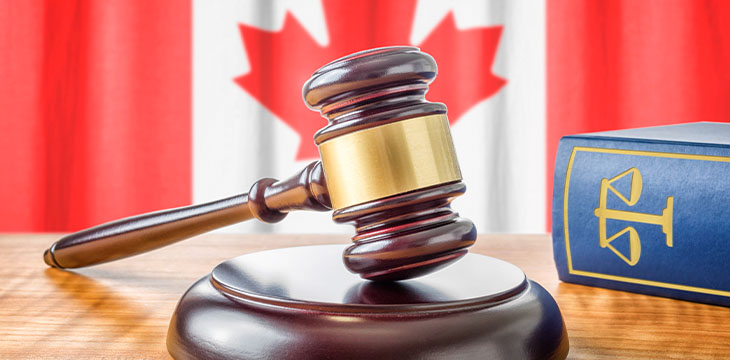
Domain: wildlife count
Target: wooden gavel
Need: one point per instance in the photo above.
(387, 165)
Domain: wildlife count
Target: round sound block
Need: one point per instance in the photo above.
(301, 303)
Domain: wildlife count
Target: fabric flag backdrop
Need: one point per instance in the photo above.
(113, 108)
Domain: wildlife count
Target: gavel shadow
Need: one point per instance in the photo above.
(393, 293)
(114, 317)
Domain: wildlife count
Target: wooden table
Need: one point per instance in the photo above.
(122, 309)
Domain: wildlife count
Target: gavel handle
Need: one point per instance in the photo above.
(268, 200)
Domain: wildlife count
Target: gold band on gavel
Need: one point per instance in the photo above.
(390, 159)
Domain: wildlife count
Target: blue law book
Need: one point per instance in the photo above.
(646, 210)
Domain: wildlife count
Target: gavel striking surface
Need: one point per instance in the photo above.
(295, 303)
(405, 228)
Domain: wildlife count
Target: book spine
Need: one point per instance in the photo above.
(643, 216)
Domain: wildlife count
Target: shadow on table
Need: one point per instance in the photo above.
(110, 316)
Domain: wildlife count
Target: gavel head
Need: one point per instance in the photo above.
(389, 163)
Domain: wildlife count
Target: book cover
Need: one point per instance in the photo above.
(646, 210)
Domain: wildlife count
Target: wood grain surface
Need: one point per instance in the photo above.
(122, 309)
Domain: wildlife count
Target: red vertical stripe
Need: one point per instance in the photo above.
(623, 64)
(96, 101)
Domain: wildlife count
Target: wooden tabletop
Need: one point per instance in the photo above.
(122, 309)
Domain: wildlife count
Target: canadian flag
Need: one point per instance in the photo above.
(115, 108)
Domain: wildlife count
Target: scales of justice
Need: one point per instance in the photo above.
(388, 167)
(603, 213)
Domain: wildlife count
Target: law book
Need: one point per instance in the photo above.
(646, 210)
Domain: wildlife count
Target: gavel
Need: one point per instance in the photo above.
(388, 166)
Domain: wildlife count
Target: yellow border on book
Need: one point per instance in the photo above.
(624, 278)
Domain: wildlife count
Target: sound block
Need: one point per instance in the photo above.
(301, 303)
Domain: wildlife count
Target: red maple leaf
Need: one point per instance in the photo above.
(281, 61)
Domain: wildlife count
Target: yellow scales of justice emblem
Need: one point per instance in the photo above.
(603, 213)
